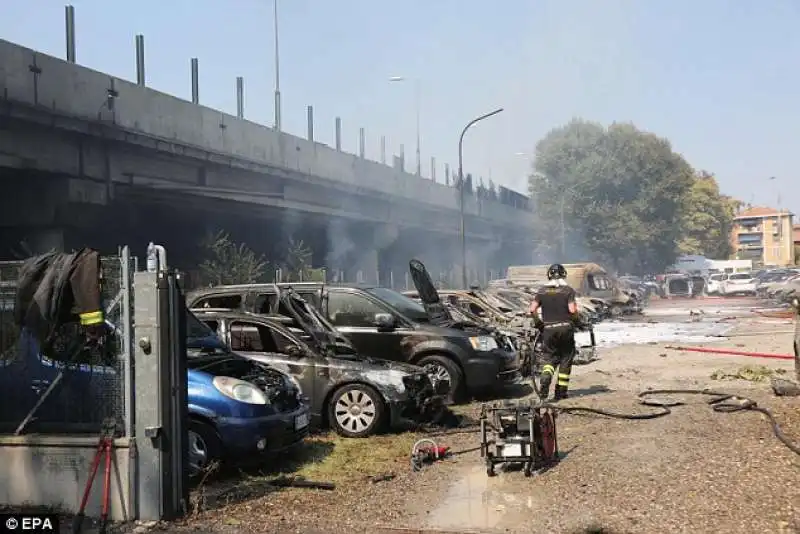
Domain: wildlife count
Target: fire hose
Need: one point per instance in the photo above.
(720, 402)
(709, 350)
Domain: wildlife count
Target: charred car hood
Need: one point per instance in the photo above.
(438, 315)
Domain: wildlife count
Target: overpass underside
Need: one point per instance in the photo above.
(43, 211)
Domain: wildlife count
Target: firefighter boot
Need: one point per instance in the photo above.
(545, 378)
(561, 393)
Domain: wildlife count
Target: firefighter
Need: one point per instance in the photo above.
(556, 300)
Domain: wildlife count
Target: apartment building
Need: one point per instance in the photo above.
(764, 235)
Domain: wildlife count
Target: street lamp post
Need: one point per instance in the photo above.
(277, 69)
(417, 113)
(461, 187)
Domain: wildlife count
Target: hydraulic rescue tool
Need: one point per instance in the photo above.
(521, 433)
(426, 451)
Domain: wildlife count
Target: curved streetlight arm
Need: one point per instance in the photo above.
(461, 191)
(467, 127)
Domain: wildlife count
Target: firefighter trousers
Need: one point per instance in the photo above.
(558, 351)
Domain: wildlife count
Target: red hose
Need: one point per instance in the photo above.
(733, 352)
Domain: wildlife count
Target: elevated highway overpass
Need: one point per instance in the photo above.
(79, 148)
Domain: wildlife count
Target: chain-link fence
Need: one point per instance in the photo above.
(42, 395)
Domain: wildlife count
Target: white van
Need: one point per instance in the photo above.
(714, 284)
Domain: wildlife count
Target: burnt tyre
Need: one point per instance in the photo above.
(448, 373)
(355, 411)
(205, 449)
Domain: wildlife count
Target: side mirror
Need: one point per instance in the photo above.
(384, 321)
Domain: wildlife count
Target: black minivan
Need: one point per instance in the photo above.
(382, 323)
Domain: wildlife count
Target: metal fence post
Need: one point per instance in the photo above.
(160, 421)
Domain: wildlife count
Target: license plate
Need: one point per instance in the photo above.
(512, 449)
(301, 421)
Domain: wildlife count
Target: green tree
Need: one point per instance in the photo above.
(296, 264)
(229, 263)
(621, 191)
(707, 219)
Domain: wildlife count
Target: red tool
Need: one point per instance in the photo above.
(426, 451)
(433, 453)
(104, 446)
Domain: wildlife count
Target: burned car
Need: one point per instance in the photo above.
(381, 322)
(354, 395)
(518, 328)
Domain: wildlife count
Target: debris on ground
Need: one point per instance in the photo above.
(785, 388)
(751, 373)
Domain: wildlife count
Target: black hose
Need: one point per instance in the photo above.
(720, 402)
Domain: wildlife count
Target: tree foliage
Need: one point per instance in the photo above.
(230, 263)
(624, 194)
(707, 219)
(296, 264)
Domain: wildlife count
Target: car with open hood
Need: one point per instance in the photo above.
(239, 409)
(355, 395)
(382, 323)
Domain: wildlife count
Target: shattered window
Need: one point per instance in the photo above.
(226, 302)
(476, 310)
(248, 337)
(598, 283)
(264, 303)
(352, 309)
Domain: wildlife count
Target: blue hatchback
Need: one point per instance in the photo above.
(238, 409)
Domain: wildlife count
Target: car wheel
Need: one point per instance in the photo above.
(355, 411)
(205, 448)
(448, 372)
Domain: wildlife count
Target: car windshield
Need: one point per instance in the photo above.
(401, 303)
(740, 277)
(195, 328)
(200, 339)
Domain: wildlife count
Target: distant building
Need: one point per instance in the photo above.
(704, 266)
(764, 235)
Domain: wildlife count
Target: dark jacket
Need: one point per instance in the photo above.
(55, 289)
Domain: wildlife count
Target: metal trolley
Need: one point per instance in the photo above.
(518, 433)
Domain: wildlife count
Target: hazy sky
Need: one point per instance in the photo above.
(719, 78)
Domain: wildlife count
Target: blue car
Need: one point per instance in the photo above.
(238, 409)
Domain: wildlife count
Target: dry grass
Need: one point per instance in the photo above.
(751, 373)
(332, 458)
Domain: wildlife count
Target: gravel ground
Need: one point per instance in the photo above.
(692, 471)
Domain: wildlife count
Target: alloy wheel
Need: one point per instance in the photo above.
(355, 411)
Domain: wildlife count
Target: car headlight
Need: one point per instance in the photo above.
(483, 343)
(239, 390)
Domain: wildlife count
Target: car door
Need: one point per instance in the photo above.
(353, 314)
(262, 342)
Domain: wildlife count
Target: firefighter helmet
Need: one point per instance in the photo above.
(556, 271)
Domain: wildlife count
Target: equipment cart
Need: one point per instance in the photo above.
(518, 433)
